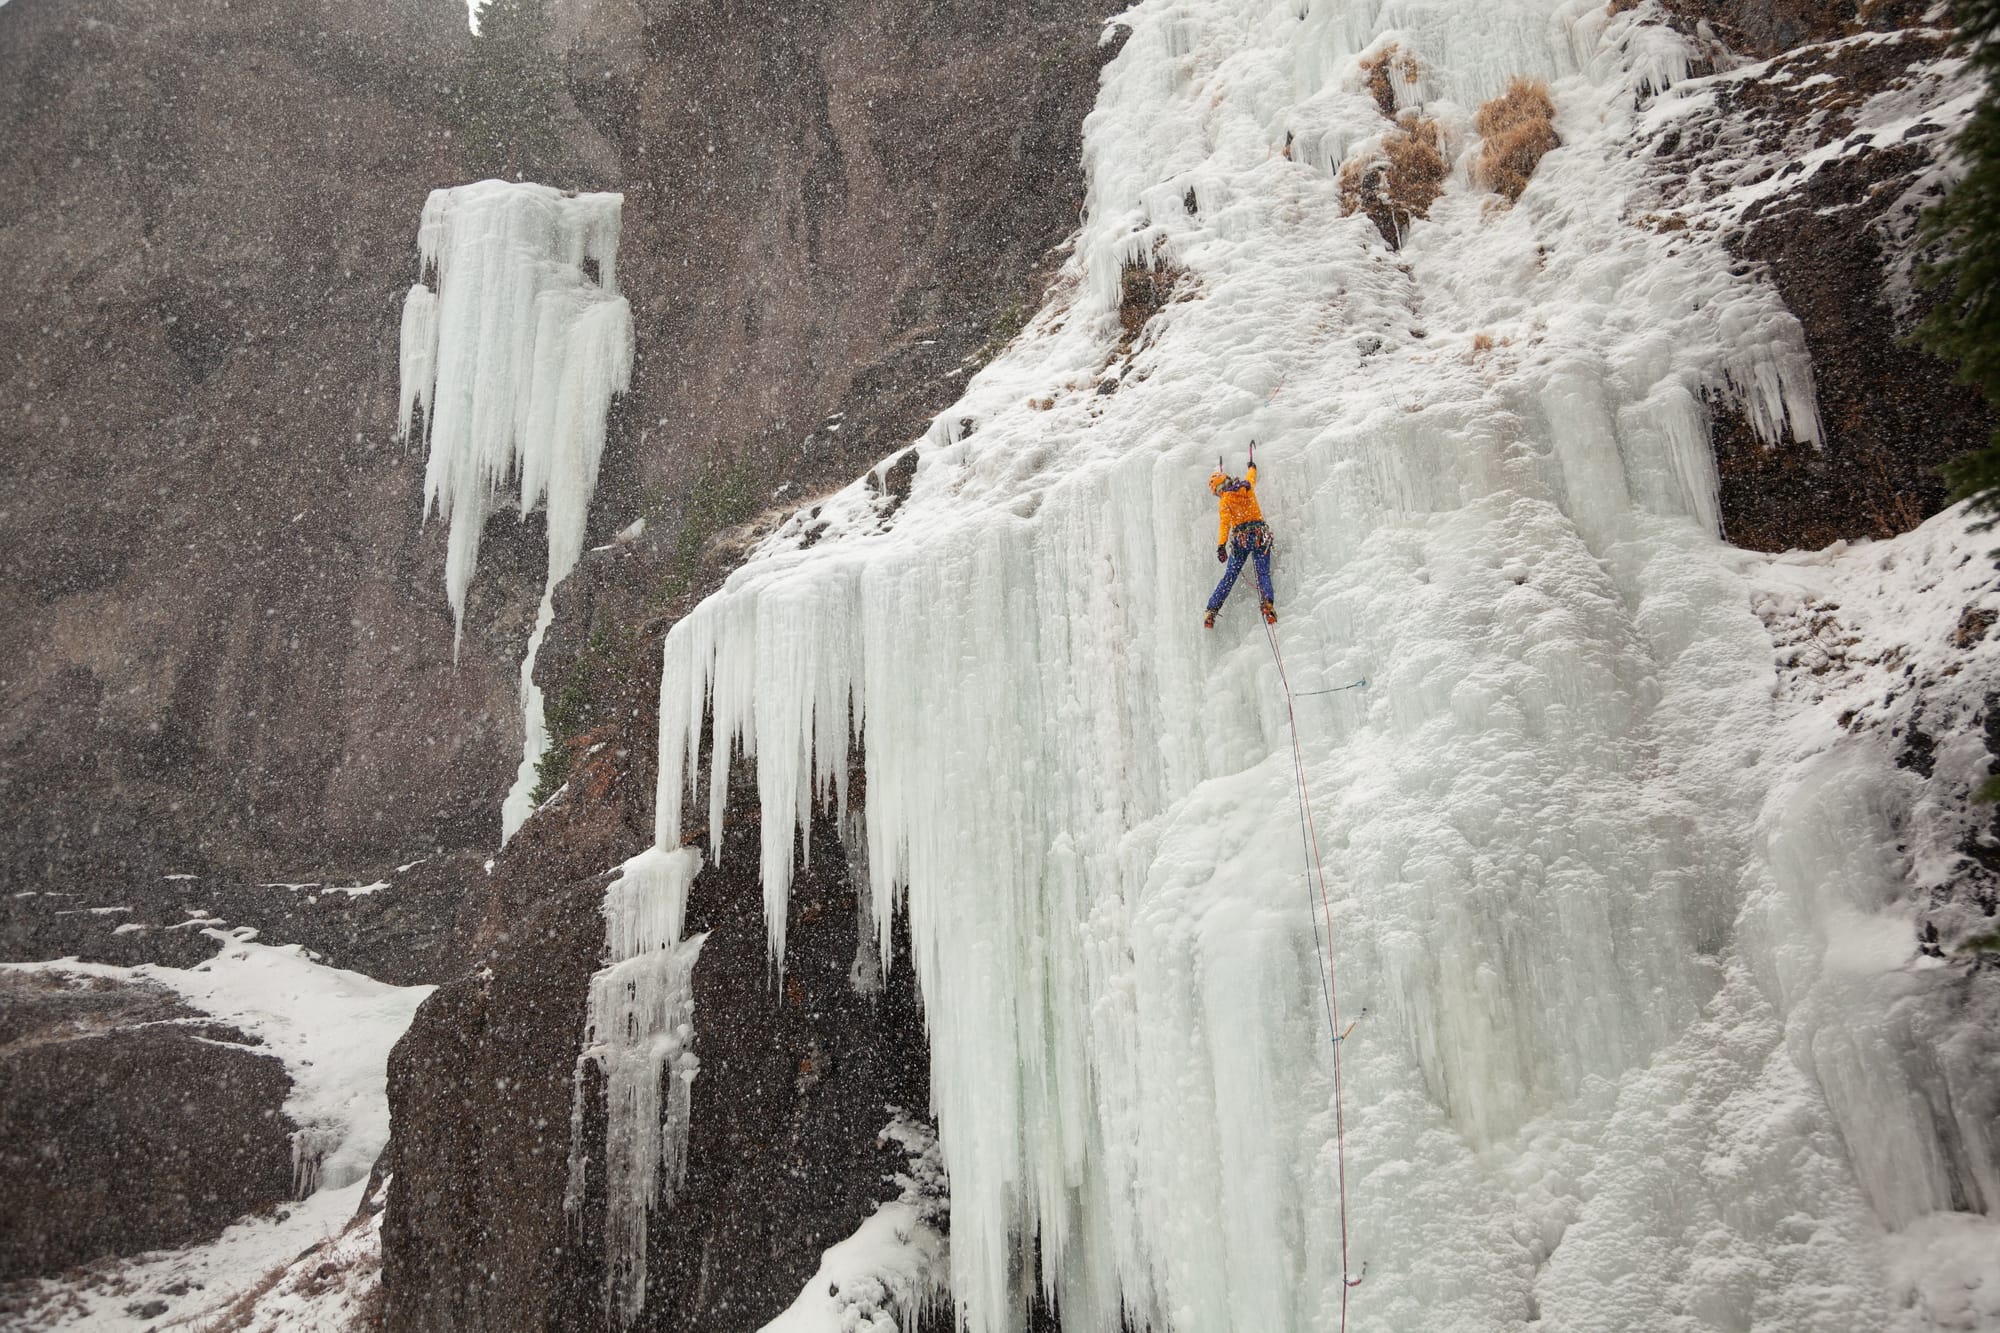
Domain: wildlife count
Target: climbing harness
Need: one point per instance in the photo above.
(1329, 992)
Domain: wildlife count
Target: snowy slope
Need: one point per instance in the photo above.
(199, 1286)
(333, 1030)
(1611, 889)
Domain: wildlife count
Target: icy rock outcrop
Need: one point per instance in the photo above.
(1885, 651)
(640, 1040)
(1487, 456)
(1827, 204)
(894, 1270)
(882, 1279)
(513, 359)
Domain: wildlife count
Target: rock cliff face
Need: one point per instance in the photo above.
(797, 1081)
(1815, 163)
(414, 926)
(877, 208)
(231, 648)
(1763, 28)
(231, 652)
(227, 645)
(824, 199)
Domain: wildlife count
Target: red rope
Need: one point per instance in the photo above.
(1316, 878)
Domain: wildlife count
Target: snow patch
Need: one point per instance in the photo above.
(198, 1286)
(878, 1280)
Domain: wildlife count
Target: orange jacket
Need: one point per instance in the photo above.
(1238, 504)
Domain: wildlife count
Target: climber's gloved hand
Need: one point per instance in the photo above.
(1222, 553)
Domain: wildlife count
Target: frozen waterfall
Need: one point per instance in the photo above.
(513, 359)
(1613, 1073)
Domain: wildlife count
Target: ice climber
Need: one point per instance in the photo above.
(1243, 534)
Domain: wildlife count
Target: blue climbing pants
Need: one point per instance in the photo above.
(1245, 540)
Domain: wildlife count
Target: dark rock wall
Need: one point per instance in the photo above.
(421, 928)
(1761, 28)
(228, 643)
(797, 1080)
(1892, 414)
(813, 194)
(799, 1077)
(230, 647)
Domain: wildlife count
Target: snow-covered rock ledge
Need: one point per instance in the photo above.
(330, 1030)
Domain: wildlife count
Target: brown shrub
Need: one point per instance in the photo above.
(1399, 184)
(1382, 70)
(1516, 128)
(1482, 343)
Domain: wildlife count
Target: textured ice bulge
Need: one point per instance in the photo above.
(513, 356)
(639, 1039)
(1608, 1074)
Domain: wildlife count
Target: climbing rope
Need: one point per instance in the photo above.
(1308, 694)
(1329, 990)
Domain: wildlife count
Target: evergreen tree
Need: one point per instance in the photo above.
(1965, 325)
(507, 109)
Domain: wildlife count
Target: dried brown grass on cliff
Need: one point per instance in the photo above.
(1397, 185)
(1383, 69)
(1144, 292)
(1516, 129)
